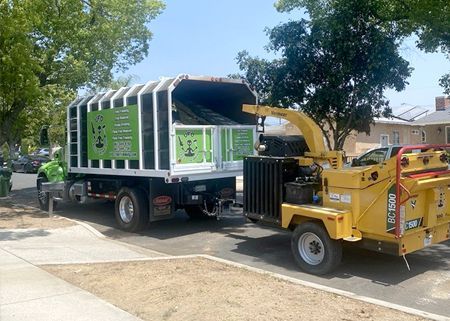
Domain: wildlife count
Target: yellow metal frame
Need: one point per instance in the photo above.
(360, 203)
(355, 205)
(310, 131)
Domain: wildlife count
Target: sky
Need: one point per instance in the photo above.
(203, 37)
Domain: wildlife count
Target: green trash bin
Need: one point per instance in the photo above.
(5, 181)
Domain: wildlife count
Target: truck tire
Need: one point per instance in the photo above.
(43, 197)
(131, 209)
(313, 249)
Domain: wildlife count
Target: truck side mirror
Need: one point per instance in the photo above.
(43, 136)
(355, 162)
(260, 123)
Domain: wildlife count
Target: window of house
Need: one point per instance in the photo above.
(384, 140)
(395, 137)
(415, 132)
(424, 136)
(447, 134)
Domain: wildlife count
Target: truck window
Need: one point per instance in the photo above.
(395, 151)
(376, 156)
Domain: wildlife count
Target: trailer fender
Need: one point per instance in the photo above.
(337, 222)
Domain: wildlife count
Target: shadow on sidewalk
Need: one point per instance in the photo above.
(20, 235)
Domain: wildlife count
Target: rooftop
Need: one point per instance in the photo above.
(438, 117)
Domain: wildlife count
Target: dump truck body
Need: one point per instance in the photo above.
(185, 127)
(178, 143)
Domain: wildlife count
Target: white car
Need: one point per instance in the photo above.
(43, 152)
(376, 155)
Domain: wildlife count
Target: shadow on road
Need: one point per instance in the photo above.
(20, 235)
(25, 196)
(265, 245)
(379, 268)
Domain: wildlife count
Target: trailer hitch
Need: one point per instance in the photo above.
(218, 208)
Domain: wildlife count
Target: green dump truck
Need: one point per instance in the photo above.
(176, 143)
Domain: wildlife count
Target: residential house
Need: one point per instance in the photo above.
(433, 128)
(383, 132)
(436, 126)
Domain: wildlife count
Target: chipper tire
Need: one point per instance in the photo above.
(313, 249)
(131, 209)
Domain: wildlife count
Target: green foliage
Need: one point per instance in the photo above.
(49, 49)
(27, 146)
(429, 20)
(115, 84)
(5, 153)
(334, 67)
(445, 83)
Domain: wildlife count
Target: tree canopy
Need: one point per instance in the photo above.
(335, 67)
(49, 46)
(429, 20)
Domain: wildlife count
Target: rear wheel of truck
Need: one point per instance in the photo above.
(131, 209)
(313, 249)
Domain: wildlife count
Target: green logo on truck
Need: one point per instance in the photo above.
(192, 145)
(100, 141)
(113, 133)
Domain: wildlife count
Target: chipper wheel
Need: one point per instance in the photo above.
(314, 251)
(131, 209)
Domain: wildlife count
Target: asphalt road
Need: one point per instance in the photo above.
(425, 287)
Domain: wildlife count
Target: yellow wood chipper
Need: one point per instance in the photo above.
(397, 206)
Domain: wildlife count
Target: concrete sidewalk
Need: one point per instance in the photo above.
(30, 293)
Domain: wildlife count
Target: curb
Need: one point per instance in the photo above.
(316, 286)
(328, 289)
(98, 234)
(347, 294)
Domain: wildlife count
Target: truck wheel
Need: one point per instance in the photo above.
(131, 209)
(44, 198)
(313, 249)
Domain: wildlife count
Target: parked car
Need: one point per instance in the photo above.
(29, 163)
(378, 155)
(41, 152)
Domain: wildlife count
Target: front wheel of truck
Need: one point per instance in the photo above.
(313, 249)
(131, 209)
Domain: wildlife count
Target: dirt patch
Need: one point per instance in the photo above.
(18, 217)
(202, 289)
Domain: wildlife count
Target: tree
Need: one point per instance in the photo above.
(64, 45)
(334, 67)
(115, 84)
(429, 20)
